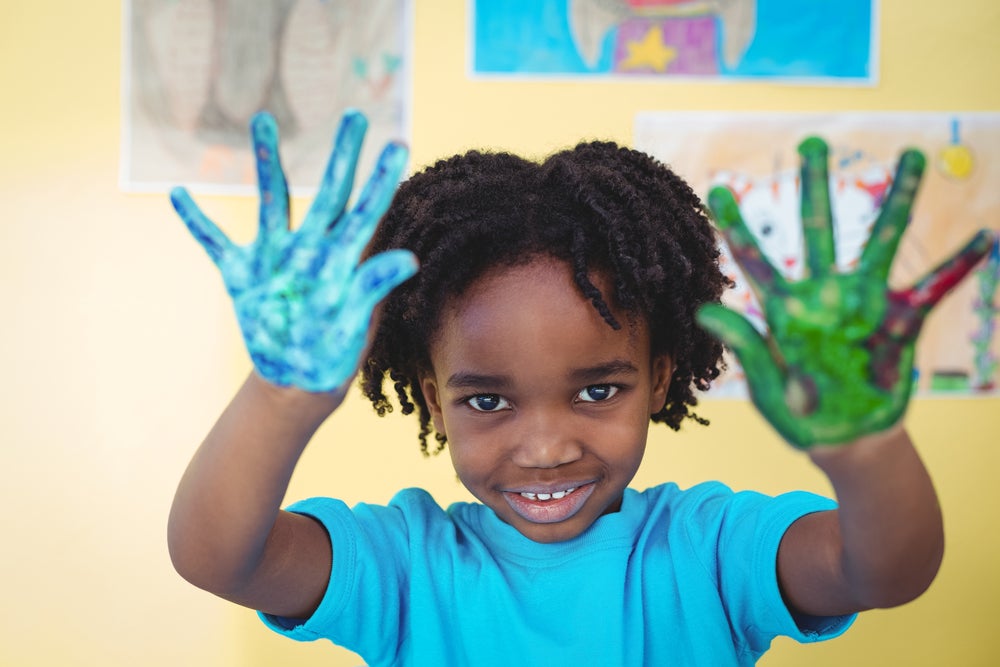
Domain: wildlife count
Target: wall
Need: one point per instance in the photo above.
(118, 348)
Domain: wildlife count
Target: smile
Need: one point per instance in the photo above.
(557, 495)
(549, 507)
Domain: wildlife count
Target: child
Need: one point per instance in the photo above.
(558, 309)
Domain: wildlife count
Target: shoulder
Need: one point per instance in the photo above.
(713, 495)
(410, 513)
(700, 498)
(713, 510)
(407, 501)
(405, 513)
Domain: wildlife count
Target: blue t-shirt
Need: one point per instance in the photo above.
(675, 577)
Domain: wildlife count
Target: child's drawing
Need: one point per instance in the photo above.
(676, 38)
(754, 154)
(197, 71)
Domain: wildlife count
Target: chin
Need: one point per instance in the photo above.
(551, 533)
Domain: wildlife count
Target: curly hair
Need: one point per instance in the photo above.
(598, 207)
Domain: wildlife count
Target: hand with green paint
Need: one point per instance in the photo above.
(837, 361)
(302, 301)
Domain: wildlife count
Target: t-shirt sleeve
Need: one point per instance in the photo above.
(369, 556)
(773, 518)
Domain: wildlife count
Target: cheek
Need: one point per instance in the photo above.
(623, 440)
(479, 451)
(473, 471)
(469, 456)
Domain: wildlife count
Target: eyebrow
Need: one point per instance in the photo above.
(595, 374)
(464, 380)
(588, 375)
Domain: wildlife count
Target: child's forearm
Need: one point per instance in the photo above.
(884, 544)
(226, 507)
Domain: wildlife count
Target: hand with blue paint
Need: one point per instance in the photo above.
(303, 302)
(837, 362)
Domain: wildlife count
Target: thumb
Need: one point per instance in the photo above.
(765, 380)
(738, 334)
(211, 238)
(374, 280)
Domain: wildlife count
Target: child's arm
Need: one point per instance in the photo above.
(304, 307)
(882, 547)
(226, 532)
(834, 376)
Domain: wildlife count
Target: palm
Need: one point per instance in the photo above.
(302, 301)
(837, 362)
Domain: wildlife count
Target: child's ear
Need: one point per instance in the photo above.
(428, 386)
(663, 371)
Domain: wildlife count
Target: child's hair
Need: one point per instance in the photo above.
(598, 207)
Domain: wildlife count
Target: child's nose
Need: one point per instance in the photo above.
(545, 442)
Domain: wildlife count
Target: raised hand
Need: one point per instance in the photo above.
(303, 303)
(837, 361)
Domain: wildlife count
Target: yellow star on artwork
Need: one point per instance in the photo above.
(650, 51)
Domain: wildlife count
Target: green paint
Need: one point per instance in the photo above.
(817, 223)
(837, 362)
(950, 381)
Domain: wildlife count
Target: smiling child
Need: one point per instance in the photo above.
(560, 308)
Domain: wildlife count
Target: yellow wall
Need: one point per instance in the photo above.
(118, 348)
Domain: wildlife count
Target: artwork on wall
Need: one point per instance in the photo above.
(197, 70)
(820, 41)
(755, 155)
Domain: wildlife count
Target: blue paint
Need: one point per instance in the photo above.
(302, 301)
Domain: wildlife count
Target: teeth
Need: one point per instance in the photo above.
(556, 495)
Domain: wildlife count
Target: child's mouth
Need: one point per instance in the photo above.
(550, 507)
(555, 495)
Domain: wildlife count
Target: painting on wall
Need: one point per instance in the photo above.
(755, 155)
(197, 70)
(821, 41)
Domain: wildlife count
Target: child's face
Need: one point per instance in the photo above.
(545, 406)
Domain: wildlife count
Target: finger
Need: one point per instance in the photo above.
(211, 238)
(765, 379)
(763, 277)
(349, 334)
(378, 276)
(353, 232)
(739, 335)
(270, 177)
(894, 215)
(371, 283)
(817, 220)
(338, 179)
(932, 287)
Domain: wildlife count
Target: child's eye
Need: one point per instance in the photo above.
(597, 392)
(488, 403)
